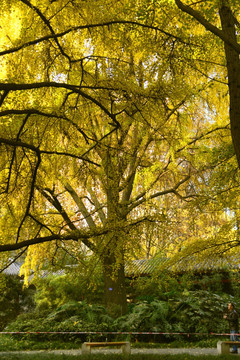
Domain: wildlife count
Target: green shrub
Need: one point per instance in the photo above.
(192, 312)
(159, 287)
(13, 299)
(176, 310)
(199, 312)
(145, 316)
(70, 317)
(55, 290)
(167, 285)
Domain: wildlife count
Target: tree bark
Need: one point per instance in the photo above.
(233, 68)
(114, 285)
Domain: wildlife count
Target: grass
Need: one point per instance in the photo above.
(8, 343)
(15, 343)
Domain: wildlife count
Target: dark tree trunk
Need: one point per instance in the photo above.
(114, 285)
(233, 68)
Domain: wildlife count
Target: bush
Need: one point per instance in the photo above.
(13, 299)
(160, 287)
(56, 290)
(199, 312)
(167, 308)
(192, 312)
(70, 317)
(168, 285)
(145, 316)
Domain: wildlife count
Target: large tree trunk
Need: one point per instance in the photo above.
(114, 284)
(233, 68)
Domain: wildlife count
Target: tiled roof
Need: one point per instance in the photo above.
(13, 269)
(149, 266)
(142, 267)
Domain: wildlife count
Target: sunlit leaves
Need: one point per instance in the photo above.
(119, 127)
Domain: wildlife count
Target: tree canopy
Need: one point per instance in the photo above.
(113, 120)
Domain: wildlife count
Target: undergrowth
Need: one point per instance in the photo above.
(15, 343)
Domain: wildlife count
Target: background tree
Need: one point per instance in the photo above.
(221, 19)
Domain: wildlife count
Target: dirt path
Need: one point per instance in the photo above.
(194, 351)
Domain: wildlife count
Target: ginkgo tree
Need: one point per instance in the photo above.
(99, 127)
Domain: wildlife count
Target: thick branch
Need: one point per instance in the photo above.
(45, 114)
(75, 88)
(3, 96)
(83, 27)
(76, 235)
(97, 205)
(39, 240)
(14, 151)
(172, 190)
(202, 136)
(19, 143)
(62, 153)
(52, 198)
(47, 23)
(208, 26)
(13, 260)
(82, 208)
(34, 176)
